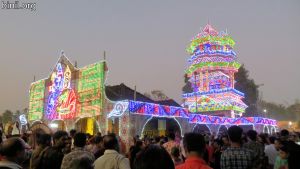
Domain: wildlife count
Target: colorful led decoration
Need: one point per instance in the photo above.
(69, 92)
(205, 119)
(215, 91)
(119, 109)
(36, 100)
(62, 98)
(152, 109)
(211, 59)
(203, 39)
(156, 110)
(213, 66)
(211, 73)
(90, 89)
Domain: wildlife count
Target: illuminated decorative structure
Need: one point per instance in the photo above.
(68, 95)
(211, 69)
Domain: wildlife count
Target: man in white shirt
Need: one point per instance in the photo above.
(111, 159)
(271, 152)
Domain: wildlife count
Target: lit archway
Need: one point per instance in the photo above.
(266, 129)
(273, 130)
(151, 129)
(87, 125)
(201, 128)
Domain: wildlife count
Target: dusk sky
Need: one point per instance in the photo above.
(145, 42)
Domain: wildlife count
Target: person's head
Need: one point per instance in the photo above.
(217, 144)
(82, 162)
(60, 139)
(147, 141)
(294, 137)
(283, 152)
(13, 149)
(99, 141)
(171, 136)
(80, 140)
(252, 135)
(153, 157)
(139, 144)
(284, 134)
(110, 142)
(99, 134)
(175, 153)
(225, 140)
(43, 139)
(263, 138)
(68, 145)
(235, 134)
(272, 139)
(194, 143)
(72, 133)
(157, 139)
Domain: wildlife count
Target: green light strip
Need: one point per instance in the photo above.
(192, 68)
(36, 100)
(225, 40)
(91, 88)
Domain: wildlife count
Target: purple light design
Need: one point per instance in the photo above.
(151, 109)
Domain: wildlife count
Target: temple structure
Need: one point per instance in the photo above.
(211, 67)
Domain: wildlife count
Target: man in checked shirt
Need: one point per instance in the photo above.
(235, 156)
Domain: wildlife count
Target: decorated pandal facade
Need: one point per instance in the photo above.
(70, 98)
(77, 98)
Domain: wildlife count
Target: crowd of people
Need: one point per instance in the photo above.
(234, 149)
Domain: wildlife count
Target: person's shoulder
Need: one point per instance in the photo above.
(180, 166)
(184, 166)
(226, 151)
(90, 154)
(120, 157)
(98, 161)
(69, 155)
(53, 152)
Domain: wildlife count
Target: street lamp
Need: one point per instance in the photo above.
(265, 111)
(290, 124)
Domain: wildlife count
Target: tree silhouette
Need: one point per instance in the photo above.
(247, 86)
(7, 116)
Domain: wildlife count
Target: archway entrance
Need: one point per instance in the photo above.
(56, 125)
(159, 126)
(266, 129)
(202, 129)
(113, 125)
(273, 130)
(87, 125)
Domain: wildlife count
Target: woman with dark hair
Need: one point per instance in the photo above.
(153, 157)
